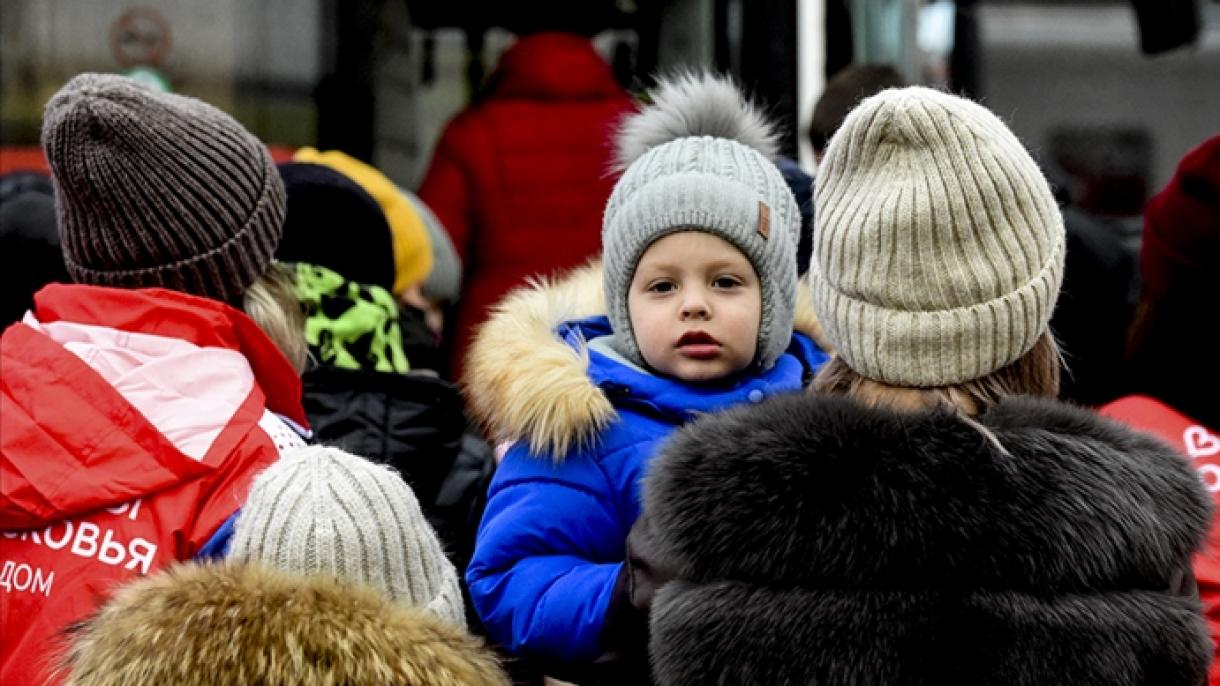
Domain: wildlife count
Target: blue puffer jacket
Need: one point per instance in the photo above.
(552, 540)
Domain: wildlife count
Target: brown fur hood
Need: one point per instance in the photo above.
(244, 624)
(523, 383)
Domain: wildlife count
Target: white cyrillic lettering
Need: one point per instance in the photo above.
(131, 508)
(111, 552)
(29, 577)
(63, 541)
(42, 583)
(35, 579)
(6, 574)
(86, 534)
(143, 556)
(27, 535)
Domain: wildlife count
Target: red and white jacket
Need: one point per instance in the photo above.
(131, 425)
(1202, 445)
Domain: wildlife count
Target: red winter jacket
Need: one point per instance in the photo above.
(131, 425)
(520, 179)
(1202, 446)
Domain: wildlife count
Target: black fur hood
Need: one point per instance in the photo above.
(816, 541)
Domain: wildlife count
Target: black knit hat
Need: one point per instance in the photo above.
(334, 223)
(30, 256)
(156, 189)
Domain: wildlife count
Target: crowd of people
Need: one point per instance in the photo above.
(621, 396)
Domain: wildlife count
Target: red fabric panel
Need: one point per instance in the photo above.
(1202, 445)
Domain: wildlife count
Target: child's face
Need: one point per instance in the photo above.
(695, 304)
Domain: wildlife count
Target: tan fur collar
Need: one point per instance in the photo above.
(232, 623)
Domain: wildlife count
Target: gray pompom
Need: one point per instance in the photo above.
(695, 104)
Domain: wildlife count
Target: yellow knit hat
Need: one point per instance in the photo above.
(412, 250)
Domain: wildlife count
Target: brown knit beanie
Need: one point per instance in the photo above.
(156, 189)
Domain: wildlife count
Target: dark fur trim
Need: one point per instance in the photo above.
(734, 633)
(819, 541)
(819, 490)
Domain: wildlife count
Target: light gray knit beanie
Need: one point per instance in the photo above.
(938, 247)
(700, 158)
(320, 510)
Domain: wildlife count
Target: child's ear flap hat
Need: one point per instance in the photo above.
(700, 158)
(938, 245)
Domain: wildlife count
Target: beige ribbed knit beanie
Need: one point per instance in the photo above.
(320, 510)
(938, 248)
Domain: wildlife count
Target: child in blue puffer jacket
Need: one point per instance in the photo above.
(700, 288)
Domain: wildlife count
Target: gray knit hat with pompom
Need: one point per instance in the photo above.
(700, 158)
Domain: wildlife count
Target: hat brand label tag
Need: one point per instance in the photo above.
(764, 220)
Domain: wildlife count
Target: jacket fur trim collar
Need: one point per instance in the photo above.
(238, 623)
